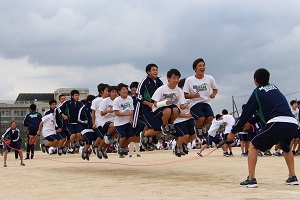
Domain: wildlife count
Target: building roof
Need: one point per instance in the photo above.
(32, 97)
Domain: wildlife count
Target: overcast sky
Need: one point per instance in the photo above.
(45, 45)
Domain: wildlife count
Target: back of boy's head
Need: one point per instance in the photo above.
(121, 85)
(32, 107)
(173, 72)
(73, 92)
(195, 63)
(112, 88)
(134, 84)
(218, 116)
(90, 98)
(181, 82)
(224, 112)
(262, 76)
(52, 101)
(298, 102)
(293, 102)
(99, 87)
(149, 66)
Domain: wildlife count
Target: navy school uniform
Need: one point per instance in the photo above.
(14, 137)
(85, 119)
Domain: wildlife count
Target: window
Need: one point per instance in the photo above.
(6, 113)
(20, 113)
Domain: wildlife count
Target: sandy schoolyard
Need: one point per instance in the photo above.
(156, 175)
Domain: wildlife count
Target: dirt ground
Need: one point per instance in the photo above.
(156, 175)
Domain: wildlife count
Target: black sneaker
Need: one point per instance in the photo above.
(249, 183)
(165, 129)
(260, 154)
(138, 155)
(60, 151)
(104, 154)
(177, 151)
(99, 154)
(4, 165)
(230, 154)
(22, 164)
(87, 157)
(83, 155)
(64, 150)
(268, 153)
(292, 181)
(185, 149)
(120, 151)
(199, 154)
(125, 152)
(42, 148)
(172, 129)
(226, 154)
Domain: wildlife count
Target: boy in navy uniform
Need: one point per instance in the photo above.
(69, 111)
(32, 121)
(145, 91)
(280, 125)
(11, 139)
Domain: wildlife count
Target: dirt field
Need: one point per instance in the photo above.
(155, 175)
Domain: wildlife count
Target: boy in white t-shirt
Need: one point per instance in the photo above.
(229, 122)
(123, 108)
(295, 112)
(48, 128)
(166, 98)
(200, 88)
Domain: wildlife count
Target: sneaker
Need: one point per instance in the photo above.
(260, 154)
(292, 181)
(199, 154)
(172, 129)
(64, 150)
(268, 153)
(83, 155)
(177, 151)
(165, 129)
(27, 158)
(22, 164)
(60, 151)
(199, 132)
(226, 154)
(244, 154)
(277, 153)
(130, 156)
(46, 149)
(125, 152)
(104, 154)
(249, 183)
(42, 146)
(4, 165)
(87, 157)
(120, 151)
(99, 154)
(138, 155)
(181, 151)
(230, 154)
(185, 149)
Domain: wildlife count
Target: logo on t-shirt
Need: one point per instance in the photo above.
(125, 106)
(171, 97)
(200, 88)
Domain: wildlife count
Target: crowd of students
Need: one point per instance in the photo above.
(180, 107)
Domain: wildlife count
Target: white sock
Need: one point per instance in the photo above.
(137, 147)
(131, 147)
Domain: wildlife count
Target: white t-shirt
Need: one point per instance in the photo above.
(122, 105)
(49, 125)
(296, 114)
(215, 125)
(95, 106)
(202, 86)
(229, 119)
(106, 104)
(186, 111)
(175, 96)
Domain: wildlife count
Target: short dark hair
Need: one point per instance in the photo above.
(62, 95)
(195, 63)
(149, 66)
(52, 101)
(262, 76)
(218, 116)
(181, 82)
(224, 112)
(83, 101)
(111, 88)
(32, 107)
(292, 102)
(121, 85)
(134, 84)
(90, 98)
(173, 72)
(73, 92)
(298, 102)
(102, 88)
(99, 87)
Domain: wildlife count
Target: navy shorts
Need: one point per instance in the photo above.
(212, 139)
(99, 132)
(13, 146)
(139, 128)
(297, 134)
(273, 133)
(63, 134)
(89, 137)
(185, 128)
(106, 126)
(243, 137)
(51, 138)
(159, 112)
(201, 110)
(124, 130)
(74, 128)
(151, 121)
